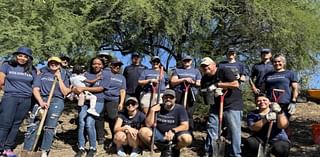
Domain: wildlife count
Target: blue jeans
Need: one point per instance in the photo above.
(88, 121)
(12, 112)
(54, 112)
(232, 120)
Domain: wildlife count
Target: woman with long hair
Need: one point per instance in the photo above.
(16, 76)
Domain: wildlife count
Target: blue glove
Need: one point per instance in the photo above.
(292, 108)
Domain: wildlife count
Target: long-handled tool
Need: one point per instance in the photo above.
(264, 151)
(155, 116)
(185, 98)
(34, 152)
(220, 144)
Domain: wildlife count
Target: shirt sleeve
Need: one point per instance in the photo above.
(4, 68)
(293, 77)
(143, 75)
(105, 80)
(37, 81)
(198, 75)
(183, 116)
(252, 118)
(124, 84)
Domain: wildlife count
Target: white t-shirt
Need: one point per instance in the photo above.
(78, 80)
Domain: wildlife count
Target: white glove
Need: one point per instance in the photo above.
(218, 92)
(271, 116)
(212, 88)
(238, 76)
(275, 107)
(292, 108)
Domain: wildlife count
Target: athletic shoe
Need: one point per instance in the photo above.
(91, 153)
(121, 152)
(9, 153)
(80, 153)
(135, 152)
(93, 112)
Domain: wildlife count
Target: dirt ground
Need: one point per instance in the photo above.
(302, 144)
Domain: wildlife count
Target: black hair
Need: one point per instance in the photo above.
(77, 69)
(28, 67)
(91, 70)
(261, 95)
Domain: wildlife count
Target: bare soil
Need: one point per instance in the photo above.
(302, 144)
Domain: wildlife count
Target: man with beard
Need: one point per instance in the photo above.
(171, 124)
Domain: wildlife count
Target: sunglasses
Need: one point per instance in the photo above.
(131, 103)
(168, 97)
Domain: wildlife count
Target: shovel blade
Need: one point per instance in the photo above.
(25, 153)
(219, 148)
(261, 151)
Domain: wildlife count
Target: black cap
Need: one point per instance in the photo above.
(265, 50)
(135, 54)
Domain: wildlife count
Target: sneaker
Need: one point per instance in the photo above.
(9, 153)
(91, 153)
(80, 153)
(135, 152)
(121, 152)
(44, 153)
(93, 112)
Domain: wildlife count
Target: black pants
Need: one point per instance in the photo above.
(110, 113)
(278, 148)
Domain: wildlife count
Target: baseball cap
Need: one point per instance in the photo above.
(155, 58)
(116, 61)
(24, 50)
(265, 50)
(135, 54)
(105, 52)
(56, 59)
(132, 99)
(187, 57)
(206, 61)
(169, 92)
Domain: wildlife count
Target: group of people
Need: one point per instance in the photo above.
(145, 106)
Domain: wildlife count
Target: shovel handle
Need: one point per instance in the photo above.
(186, 92)
(221, 111)
(44, 115)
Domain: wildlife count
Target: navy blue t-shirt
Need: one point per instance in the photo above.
(116, 83)
(134, 122)
(280, 80)
(17, 82)
(153, 74)
(259, 71)
(236, 67)
(132, 73)
(166, 120)
(187, 73)
(276, 133)
(207, 81)
(99, 83)
(233, 98)
(45, 80)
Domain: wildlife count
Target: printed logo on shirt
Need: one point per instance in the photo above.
(116, 79)
(273, 77)
(166, 119)
(20, 73)
(47, 79)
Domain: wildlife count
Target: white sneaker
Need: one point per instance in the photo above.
(44, 153)
(93, 112)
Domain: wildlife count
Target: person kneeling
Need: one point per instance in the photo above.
(172, 124)
(127, 126)
(259, 122)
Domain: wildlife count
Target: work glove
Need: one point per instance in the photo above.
(275, 107)
(212, 88)
(292, 108)
(218, 92)
(271, 116)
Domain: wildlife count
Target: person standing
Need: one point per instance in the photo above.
(87, 121)
(237, 67)
(106, 57)
(259, 70)
(259, 122)
(172, 124)
(132, 73)
(186, 76)
(149, 79)
(17, 77)
(222, 78)
(41, 90)
(127, 126)
(285, 80)
(115, 95)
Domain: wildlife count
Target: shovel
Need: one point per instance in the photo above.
(34, 152)
(185, 98)
(263, 151)
(220, 145)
